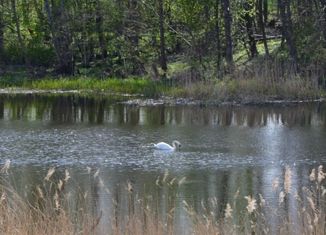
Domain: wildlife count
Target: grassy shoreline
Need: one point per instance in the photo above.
(243, 90)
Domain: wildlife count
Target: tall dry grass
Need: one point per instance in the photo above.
(45, 214)
(49, 213)
(309, 218)
(263, 80)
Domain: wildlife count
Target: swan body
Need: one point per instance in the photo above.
(164, 146)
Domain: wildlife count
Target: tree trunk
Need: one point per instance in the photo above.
(38, 6)
(249, 28)
(228, 32)
(287, 29)
(61, 38)
(323, 21)
(18, 31)
(163, 60)
(218, 41)
(132, 30)
(2, 26)
(261, 20)
(99, 29)
(265, 10)
(2, 56)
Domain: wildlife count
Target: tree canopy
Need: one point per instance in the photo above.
(124, 38)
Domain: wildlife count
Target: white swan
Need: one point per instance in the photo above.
(164, 146)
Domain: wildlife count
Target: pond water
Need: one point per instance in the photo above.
(224, 150)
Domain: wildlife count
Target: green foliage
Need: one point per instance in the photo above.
(121, 39)
(13, 55)
(12, 80)
(41, 56)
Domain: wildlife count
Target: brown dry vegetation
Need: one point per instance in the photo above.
(49, 212)
(259, 82)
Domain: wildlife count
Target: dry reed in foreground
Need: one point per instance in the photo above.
(45, 215)
(49, 212)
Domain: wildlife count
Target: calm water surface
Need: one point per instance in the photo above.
(224, 149)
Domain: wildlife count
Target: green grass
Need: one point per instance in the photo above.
(241, 55)
(12, 80)
(133, 85)
(177, 67)
(140, 86)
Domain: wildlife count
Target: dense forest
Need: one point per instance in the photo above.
(163, 39)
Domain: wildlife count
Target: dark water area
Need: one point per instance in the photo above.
(224, 150)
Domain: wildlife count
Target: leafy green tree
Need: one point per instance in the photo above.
(2, 28)
(262, 18)
(228, 32)
(124, 38)
(248, 17)
(163, 59)
(287, 27)
(58, 21)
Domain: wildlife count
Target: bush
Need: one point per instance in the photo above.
(41, 56)
(37, 55)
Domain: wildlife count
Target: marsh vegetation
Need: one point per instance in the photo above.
(51, 209)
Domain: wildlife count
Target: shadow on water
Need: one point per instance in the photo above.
(224, 150)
